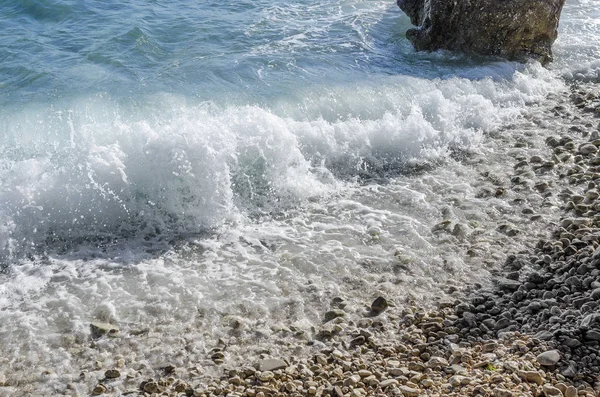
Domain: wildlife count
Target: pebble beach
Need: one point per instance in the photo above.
(534, 332)
(263, 199)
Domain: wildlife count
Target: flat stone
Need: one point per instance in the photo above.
(551, 391)
(335, 313)
(532, 377)
(265, 376)
(436, 362)
(543, 335)
(588, 148)
(414, 366)
(490, 347)
(534, 307)
(432, 327)
(592, 335)
(458, 380)
(561, 386)
(403, 371)
(112, 374)
(589, 320)
(236, 380)
(579, 302)
(506, 284)
(363, 373)
(99, 390)
(409, 391)
(548, 358)
(352, 380)
(569, 371)
(388, 382)
(457, 369)
(151, 387)
(499, 392)
(572, 342)
(271, 364)
(574, 281)
(571, 391)
(511, 365)
(338, 391)
(100, 329)
(502, 323)
(379, 305)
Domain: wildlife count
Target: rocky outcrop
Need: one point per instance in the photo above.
(514, 29)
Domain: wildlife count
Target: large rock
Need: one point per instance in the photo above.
(515, 29)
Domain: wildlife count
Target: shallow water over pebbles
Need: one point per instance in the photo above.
(232, 196)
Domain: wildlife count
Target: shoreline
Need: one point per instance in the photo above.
(531, 334)
(489, 343)
(462, 347)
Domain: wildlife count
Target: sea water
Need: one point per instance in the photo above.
(195, 172)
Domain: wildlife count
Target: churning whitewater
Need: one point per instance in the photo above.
(173, 168)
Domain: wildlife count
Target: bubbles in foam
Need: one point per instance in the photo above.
(577, 48)
(113, 194)
(103, 172)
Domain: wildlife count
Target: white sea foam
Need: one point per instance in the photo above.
(88, 170)
(576, 50)
(181, 216)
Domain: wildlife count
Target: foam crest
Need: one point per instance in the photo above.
(92, 171)
(97, 176)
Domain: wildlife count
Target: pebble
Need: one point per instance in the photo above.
(499, 392)
(112, 374)
(532, 377)
(379, 305)
(571, 391)
(335, 313)
(388, 382)
(409, 391)
(271, 364)
(592, 335)
(99, 390)
(100, 329)
(363, 373)
(490, 347)
(150, 387)
(352, 380)
(436, 362)
(588, 148)
(551, 391)
(549, 358)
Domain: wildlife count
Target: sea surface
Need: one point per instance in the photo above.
(202, 170)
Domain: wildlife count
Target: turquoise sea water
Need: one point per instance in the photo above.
(95, 95)
(239, 53)
(159, 156)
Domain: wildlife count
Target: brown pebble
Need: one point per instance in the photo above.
(99, 390)
(112, 374)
